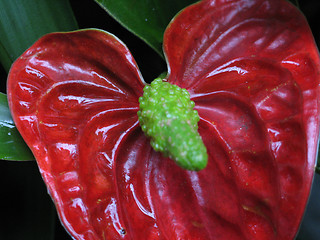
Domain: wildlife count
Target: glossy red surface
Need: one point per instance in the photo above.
(251, 67)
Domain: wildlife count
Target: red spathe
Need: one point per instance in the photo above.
(252, 69)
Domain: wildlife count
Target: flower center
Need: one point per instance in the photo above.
(166, 115)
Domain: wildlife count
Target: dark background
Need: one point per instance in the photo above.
(21, 183)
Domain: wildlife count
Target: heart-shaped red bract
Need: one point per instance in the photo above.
(252, 69)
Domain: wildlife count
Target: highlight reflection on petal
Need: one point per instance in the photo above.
(251, 68)
(56, 90)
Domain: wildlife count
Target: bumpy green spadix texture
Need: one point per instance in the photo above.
(166, 115)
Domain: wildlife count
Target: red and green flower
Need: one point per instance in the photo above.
(252, 69)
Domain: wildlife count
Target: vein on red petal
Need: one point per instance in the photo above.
(197, 43)
(56, 90)
(255, 107)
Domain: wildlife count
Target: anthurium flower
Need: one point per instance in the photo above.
(252, 69)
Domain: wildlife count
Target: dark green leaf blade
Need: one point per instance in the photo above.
(22, 22)
(147, 19)
(12, 146)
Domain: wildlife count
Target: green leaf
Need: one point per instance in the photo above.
(12, 146)
(147, 19)
(318, 165)
(22, 22)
